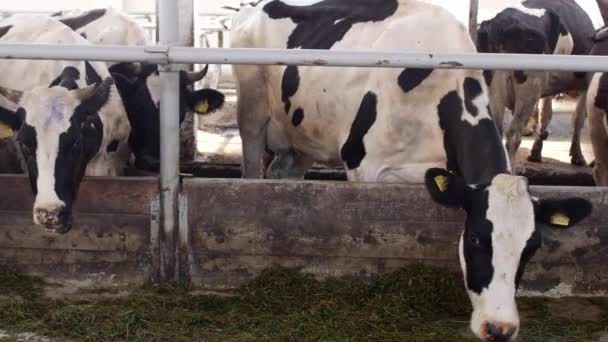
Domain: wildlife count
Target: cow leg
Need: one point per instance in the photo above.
(598, 126)
(598, 129)
(252, 118)
(545, 118)
(253, 138)
(289, 165)
(578, 122)
(524, 106)
(530, 129)
(498, 95)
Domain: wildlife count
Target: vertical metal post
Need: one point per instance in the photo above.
(186, 38)
(473, 10)
(168, 29)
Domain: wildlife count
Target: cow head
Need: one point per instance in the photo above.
(500, 236)
(58, 131)
(139, 86)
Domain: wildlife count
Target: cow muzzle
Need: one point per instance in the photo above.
(498, 331)
(57, 220)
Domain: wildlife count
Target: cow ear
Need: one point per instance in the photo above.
(93, 97)
(11, 117)
(446, 188)
(10, 121)
(561, 213)
(11, 94)
(205, 100)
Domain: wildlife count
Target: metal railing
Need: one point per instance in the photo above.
(165, 54)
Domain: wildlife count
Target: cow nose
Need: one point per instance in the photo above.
(57, 219)
(500, 332)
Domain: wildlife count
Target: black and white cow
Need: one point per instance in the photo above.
(69, 118)
(536, 27)
(391, 125)
(597, 111)
(139, 84)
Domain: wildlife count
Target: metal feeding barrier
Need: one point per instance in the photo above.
(166, 54)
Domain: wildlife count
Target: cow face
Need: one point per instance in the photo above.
(139, 86)
(59, 132)
(499, 238)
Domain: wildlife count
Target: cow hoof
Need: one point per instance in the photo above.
(578, 161)
(544, 135)
(535, 158)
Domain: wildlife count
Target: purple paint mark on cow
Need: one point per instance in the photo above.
(55, 114)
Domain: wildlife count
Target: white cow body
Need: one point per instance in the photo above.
(112, 28)
(404, 141)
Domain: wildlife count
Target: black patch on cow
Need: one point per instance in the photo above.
(57, 14)
(477, 242)
(28, 144)
(298, 116)
(411, 78)
(130, 70)
(353, 150)
(520, 76)
(321, 25)
(4, 30)
(532, 245)
(112, 146)
(83, 35)
(84, 19)
(289, 85)
(80, 143)
(91, 74)
(77, 146)
(67, 79)
(474, 152)
(555, 30)
(564, 17)
(472, 89)
(601, 98)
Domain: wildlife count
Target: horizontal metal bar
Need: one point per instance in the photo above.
(387, 59)
(384, 59)
(105, 53)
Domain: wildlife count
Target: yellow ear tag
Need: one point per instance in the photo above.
(560, 220)
(202, 107)
(442, 183)
(5, 131)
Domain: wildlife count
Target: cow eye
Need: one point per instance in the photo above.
(474, 240)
